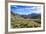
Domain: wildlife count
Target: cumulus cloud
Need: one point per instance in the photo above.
(26, 9)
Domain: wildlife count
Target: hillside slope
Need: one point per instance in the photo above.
(24, 23)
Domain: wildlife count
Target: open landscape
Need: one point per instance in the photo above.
(20, 22)
(32, 20)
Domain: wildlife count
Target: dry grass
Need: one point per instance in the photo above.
(24, 23)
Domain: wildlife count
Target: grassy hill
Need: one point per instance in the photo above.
(19, 22)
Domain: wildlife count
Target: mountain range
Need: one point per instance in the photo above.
(30, 16)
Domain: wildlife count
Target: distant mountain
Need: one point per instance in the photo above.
(35, 16)
(30, 16)
(18, 16)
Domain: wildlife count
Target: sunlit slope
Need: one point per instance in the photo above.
(19, 22)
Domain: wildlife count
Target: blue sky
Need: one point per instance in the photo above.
(25, 10)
